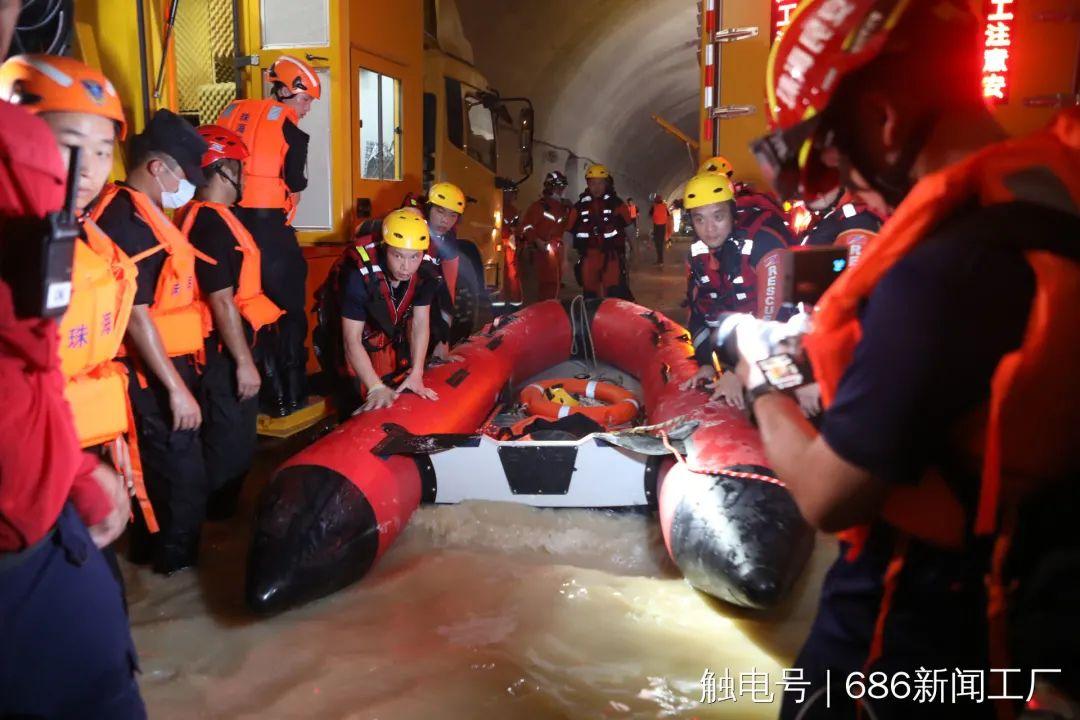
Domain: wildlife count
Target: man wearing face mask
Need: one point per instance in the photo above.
(243, 316)
(166, 332)
(274, 177)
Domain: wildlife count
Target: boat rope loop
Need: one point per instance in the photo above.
(579, 323)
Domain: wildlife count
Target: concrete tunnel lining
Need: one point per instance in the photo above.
(596, 71)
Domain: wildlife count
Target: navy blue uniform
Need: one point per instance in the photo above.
(67, 649)
(934, 330)
(229, 435)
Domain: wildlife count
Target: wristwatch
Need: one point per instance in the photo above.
(761, 389)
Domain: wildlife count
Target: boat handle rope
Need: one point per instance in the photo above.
(579, 320)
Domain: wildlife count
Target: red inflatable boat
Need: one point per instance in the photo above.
(330, 511)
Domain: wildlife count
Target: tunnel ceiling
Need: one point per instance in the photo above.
(596, 70)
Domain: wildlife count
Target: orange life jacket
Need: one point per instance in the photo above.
(181, 317)
(1031, 428)
(250, 300)
(659, 213)
(91, 334)
(261, 123)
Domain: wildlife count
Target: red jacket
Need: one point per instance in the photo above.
(41, 466)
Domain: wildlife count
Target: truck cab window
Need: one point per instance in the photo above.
(380, 126)
(480, 138)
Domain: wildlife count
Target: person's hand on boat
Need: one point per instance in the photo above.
(415, 382)
(729, 388)
(704, 374)
(377, 398)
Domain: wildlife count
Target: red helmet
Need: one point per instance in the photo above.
(222, 144)
(826, 41)
(296, 75)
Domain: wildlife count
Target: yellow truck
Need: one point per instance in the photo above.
(397, 112)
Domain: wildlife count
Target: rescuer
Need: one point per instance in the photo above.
(165, 336)
(947, 455)
(243, 318)
(274, 177)
(542, 227)
(443, 209)
(727, 271)
(600, 227)
(67, 644)
(373, 310)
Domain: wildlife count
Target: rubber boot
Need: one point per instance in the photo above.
(272, 399)
(223, 502)
(176, 552)
(141, 545)
(296, 387)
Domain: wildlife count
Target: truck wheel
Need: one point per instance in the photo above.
(472, 304)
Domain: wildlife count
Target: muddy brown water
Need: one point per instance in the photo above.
(479, 610)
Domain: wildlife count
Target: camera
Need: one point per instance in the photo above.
(805, 275)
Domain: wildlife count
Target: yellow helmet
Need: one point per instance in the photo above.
(406, 230)
(718, 164)
(597, 172)
(707, 188)
(447, 195)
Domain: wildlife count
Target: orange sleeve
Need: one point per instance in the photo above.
(530, 221)
(571, 219)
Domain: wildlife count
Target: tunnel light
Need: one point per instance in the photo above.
(997, 49)
(498, 217)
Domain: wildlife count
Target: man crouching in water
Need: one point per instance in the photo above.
(385, 292)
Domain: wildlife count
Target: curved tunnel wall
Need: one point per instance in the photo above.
(596, 71)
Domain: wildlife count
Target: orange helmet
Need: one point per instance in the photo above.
(719, 164)
(49, 83)
(826, 41)
(296, 75)
(221, 144)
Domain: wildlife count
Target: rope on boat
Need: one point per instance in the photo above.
(579, 320)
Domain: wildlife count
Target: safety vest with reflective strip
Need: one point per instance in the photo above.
(261, 124)
(724, 280)
(598, 224)
(545, 220)
(182, 319)
(385, 333)
(1029, 432)
(850, 224)
(250, 300)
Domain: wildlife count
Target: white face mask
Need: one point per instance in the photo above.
(178, 198)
